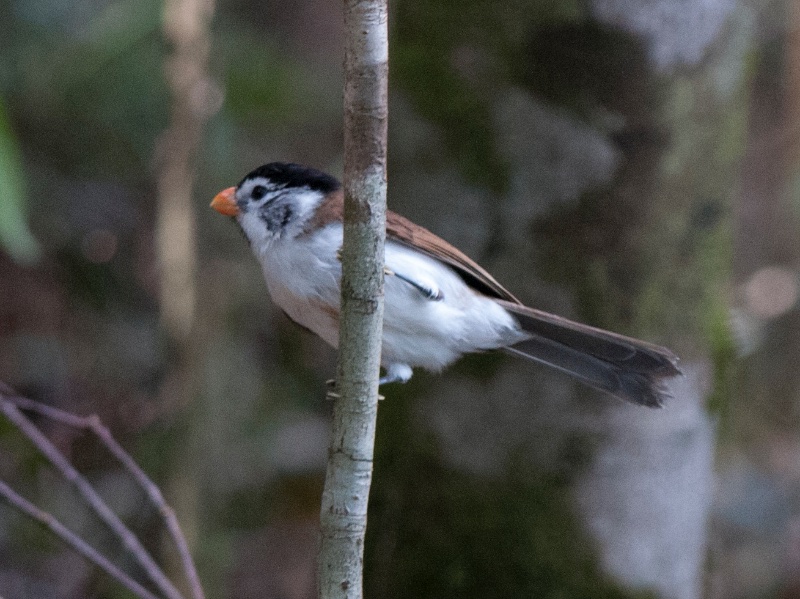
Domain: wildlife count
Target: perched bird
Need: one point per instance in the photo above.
(439, 304)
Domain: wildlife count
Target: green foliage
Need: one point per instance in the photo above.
(724, 357)
(88, 90)
(15, 237)
(27, 459)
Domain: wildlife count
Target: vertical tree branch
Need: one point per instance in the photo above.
(349, 473)
(186, 28)
(195, 97)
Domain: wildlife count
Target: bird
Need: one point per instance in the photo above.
(438, 303)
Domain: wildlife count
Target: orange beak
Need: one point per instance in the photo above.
(225, 202)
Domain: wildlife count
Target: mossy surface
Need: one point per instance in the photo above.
(439, 532)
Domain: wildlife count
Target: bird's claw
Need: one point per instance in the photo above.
(333, 395)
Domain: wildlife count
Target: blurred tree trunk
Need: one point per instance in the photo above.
(609, 142)
(757, 514)
(646, 493)
(186, 28)
(186, 25)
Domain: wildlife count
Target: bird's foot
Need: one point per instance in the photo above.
(332, 394)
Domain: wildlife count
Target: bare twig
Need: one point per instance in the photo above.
(100, 507)
(349, 473)
(73, 540)
(94, 424)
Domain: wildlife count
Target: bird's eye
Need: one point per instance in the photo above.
(259, 191)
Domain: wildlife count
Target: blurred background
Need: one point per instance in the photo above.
(629, 163)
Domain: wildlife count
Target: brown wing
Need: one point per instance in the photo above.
(402, 230)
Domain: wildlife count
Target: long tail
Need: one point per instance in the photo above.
(627, 368)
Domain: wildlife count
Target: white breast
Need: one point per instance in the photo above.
(302, 276)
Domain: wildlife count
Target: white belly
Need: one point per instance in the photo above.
(303, 279)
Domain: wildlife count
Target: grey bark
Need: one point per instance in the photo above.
(349, 472)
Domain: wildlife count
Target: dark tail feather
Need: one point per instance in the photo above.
(627, 368)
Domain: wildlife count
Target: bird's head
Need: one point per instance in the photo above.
(275, 201)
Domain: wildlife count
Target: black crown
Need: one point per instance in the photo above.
(287, 174)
